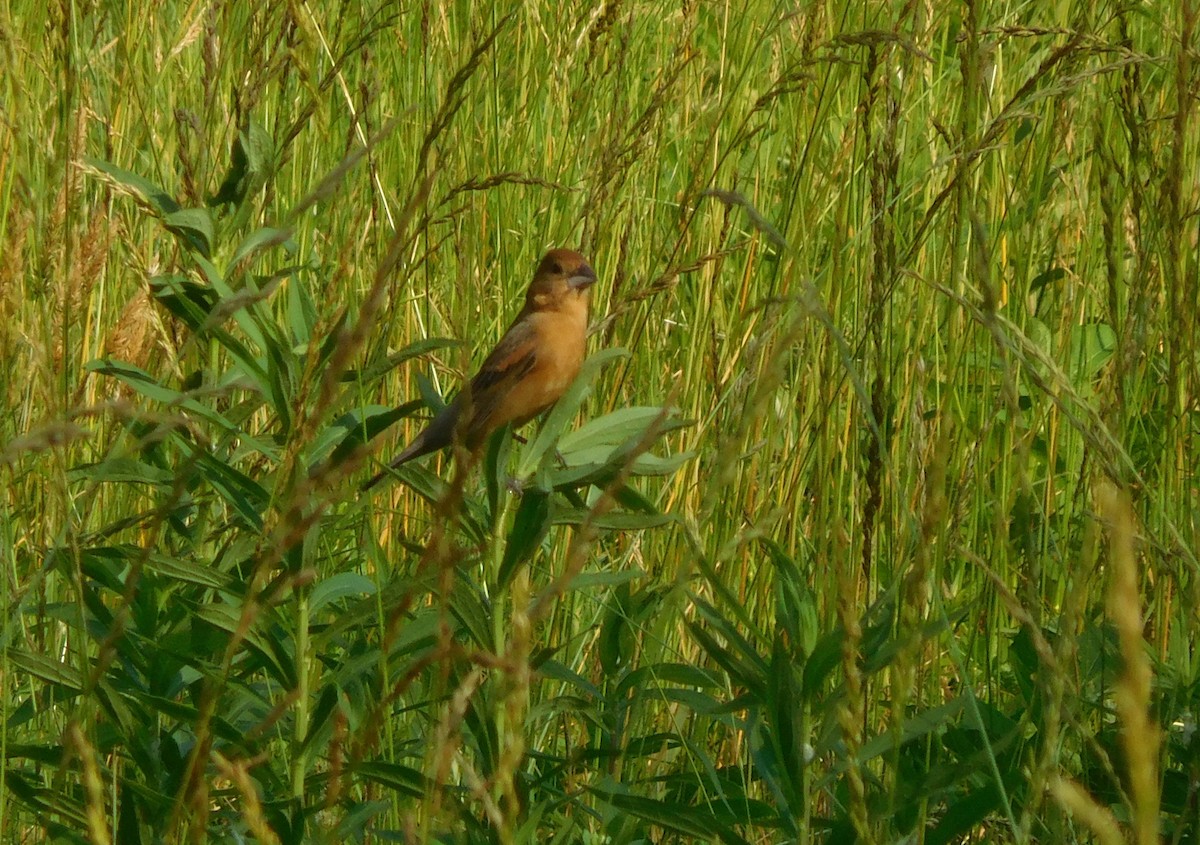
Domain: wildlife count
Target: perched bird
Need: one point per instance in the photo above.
(530, 368)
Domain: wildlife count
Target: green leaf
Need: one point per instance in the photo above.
(189, 301)
(1047, 277)
(236, 304)
(611, 429)
(353, 826)
(141, 189)
(915, 726)
(338, 587)
(123, 470)
(260, 149)
(47, 669)
(591, 580)
(146, 385)
(963, 814)
(282, 375)
(564, 410)
(702, 703)
(50, 803)
(796, 615)
(403, 779)
(601, 465)
(495, 475)
(680, 817)
(474, 612)
(613, 520)
(555, 670)
(732, 651)
(652, 744)
(665, 674)
(251, 161)
(134, 377)
(1091, 347)
(377, 369)
(425, 483)
(530, 526)
(188, 572)
(598, 450)
(351, 430)
(242, 493)
(257, 241)
(194, 227)
(302, 320)
(625, 614)
(169, 707)
(227, 617)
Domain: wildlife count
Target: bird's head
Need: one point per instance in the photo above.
(562, 280)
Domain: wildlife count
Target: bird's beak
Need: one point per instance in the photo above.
(584, 278)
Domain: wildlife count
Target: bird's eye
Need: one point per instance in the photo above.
(555, 267)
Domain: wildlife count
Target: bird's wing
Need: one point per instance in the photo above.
(512, 359)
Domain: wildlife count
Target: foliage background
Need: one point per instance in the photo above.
(923, 565)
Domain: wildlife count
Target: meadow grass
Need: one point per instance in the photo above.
(900, 546)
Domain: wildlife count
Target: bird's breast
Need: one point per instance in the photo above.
(561, 346)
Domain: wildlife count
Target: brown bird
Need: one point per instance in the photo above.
(530, 368)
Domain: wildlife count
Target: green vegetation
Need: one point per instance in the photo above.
(874, 518)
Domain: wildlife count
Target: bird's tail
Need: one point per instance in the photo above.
(412, 451)
(437, 435)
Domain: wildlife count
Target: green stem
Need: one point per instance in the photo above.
(300, 757)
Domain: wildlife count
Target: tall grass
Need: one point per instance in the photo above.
(921, 279)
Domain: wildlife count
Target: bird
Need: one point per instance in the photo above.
(529, 370)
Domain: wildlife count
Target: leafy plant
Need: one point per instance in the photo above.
(236, 662)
